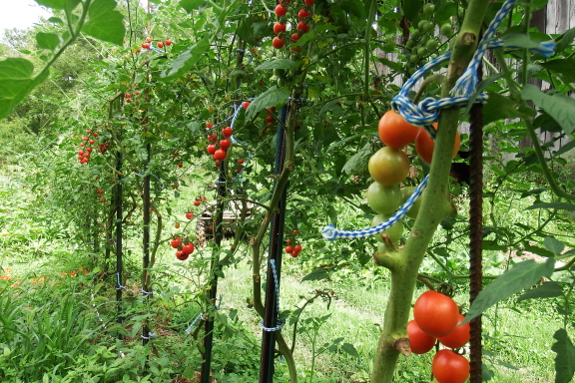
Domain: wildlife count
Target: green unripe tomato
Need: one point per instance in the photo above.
(428, 27)
(429, 9)
(413, 59)
(414, 50)
(394, 232)
(424, 40)
(431, 45)
(416, 34)
(383, 199)
(405, 194)
(422, 52)
(281, 82)
(410, 44)
(446, 30)
(279, 72)
(421, 24)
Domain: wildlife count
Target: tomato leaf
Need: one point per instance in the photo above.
(411, 8)
(499, 107)
(565, 359)
(349, 349)
(271, 97)
(104, 23)
(277, 64)
(185, 62)
(560, 107)
(16, 82)
(566, 40)
(546, 290)
(563, 67)
(553, 245)
(47, 40)
(315, 275)
(59, 4)
(522, 276)
(191, 5)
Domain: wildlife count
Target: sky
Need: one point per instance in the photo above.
(19, 14)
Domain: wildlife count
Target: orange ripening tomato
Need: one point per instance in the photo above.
(394, 131)
(424, 145)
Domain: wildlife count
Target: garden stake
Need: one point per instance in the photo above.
(119, 220)
(145, 287)
(275, 254)
(475, 231)
(214, 268)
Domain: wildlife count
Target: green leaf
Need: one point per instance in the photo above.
(519, 40)
(523, 275)
(565, 359)
(271, 97)
(567, 39)
(59, 4)
(186, 61)
(277, 64)
(191, 5)
(546, 290)
(56, 20)
(104, 23)
(47, 40)
(349, 349)
(315, 275)
(499, 107)
(565, 148)
(553, 245)
(411, 8)
(16, 82)
(563, 67)
(552, 205)
(538, 4)
(560, 107)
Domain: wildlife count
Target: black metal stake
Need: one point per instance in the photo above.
(146, 260)
(275, 253)
(119, 221)
(214, 269)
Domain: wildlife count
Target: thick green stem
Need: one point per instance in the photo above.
(435, 206)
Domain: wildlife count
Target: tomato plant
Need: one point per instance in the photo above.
(419, 342)
(406, 192)
(388, 166)
(394, 131)
(279, 28)
(436, 314)
(424, 145)
(449, 367)
(278, 42)
(458, 337)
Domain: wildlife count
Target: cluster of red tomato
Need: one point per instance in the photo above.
(183, 249)
(280, 27)
(100, 196)
(293, 250)
(160, 44)
(437, 318)
(197, 202)
(85, 146)
(219, 154)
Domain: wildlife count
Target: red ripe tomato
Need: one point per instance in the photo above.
(148, 39)
(419, 342)
(449, 367)
(424, 145)
(181, 255)
(146, 45)
(189, 214)
(303, 27)
(394, 131)
(309, 3)
(160, 44)
(240, 161)
(279, 28)
(245, 104)
(220, 154)
(209, 125)
(280, 10)
(212, 138)
(211, 149)
(176, 242)
(303, 13)
(225, 144)
(227, 131)
(297, 248)
(188, 248)
(388, 166)
(458, 337)
(269, 118)
(289, 249)
(197, 203)
(168, 42)
(278, 42)
(436, 314)
(180, 165)
(295, 37)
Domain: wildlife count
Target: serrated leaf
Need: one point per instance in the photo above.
(563, 67)
(271, 97)
(552, 205)
(16, 82)
(316, 275)
(560, 107)
(546, 290)
(191, 5)
(521, 276)
(486, 373)
(47, 40)
(499, 107)
(565, 359)
(104, 23)
(358, 162)
(565, 148)
(277, 64)
(185, 62)
(553, 245)
(349, 349)
(538, 250)
(59, 4)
